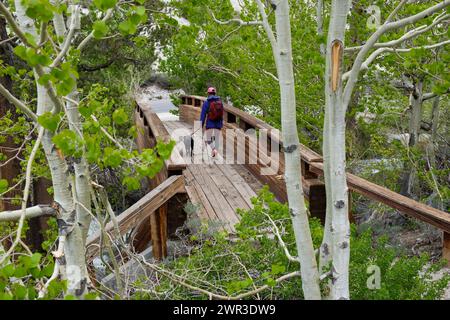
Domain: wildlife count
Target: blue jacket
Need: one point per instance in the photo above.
(210, 124)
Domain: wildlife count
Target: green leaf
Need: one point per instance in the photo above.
(3, 185)
(120, 116)
(127, 27)
(112, 158)
(21, 52)
(30, 39)
(148, 155)
(86, 109)
(19, 291)
(100, 29)
(47, 271)
(8, 270)
(132, 183)
(104, 4)
(278, 268)
(68, 142)
(49, 121)
(165, 149)
(139, 10)
(93, 149)
(45, 79)
(271, 282)
(35, 258)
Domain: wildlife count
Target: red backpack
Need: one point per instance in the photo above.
(215, 110)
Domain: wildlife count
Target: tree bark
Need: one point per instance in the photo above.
(72, 263)
(416, 102)
(293, 175)
(336, 244)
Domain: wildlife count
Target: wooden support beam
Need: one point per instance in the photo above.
(446, 247)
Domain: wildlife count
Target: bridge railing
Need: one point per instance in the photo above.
(312, 169)
(150, 130)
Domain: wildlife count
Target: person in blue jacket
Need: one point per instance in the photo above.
(213, 127)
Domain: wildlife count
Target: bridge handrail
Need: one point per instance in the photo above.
(157, 131)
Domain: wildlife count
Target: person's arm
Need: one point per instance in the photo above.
(203, 114)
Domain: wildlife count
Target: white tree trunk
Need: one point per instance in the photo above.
(336, 244)
(415, 101)
(293, 175)
(72, 262)
(319, 16)
(434, 130)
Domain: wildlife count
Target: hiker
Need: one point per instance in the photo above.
(212, 119)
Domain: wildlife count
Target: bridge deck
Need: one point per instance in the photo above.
(217, 190)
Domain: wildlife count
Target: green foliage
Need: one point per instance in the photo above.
(104, 5)
(31, 56)
(100, 29)
(255, 258)
(239, 62)
(49, 121)
(120, 116)
(3, 185)
(69, 142)
(41, 10)
(21, 280)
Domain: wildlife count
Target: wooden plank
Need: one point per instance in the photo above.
(218, 202)
(239, 183)
(202, 197)
(227, 189)
(195, 200)
(221, 205)
(143, 209)
(433, 216)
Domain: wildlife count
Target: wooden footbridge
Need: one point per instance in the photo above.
(219, 187)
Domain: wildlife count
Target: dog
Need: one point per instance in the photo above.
(188, 142)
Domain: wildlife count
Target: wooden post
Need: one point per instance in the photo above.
(162, 212)
(317, 199)
(156, 235)
(446, 247)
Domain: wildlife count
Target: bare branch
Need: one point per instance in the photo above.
(356, 69)
(16, 102)
(86, 40)
(396, 10)
(67, 42)
(431, 95)
(211, 295)
(377, 52)
(281, 242)
(235, 20)
(407, 36)
(32, 212)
